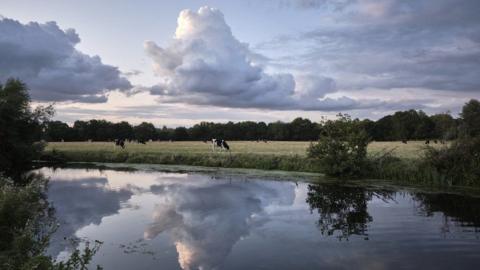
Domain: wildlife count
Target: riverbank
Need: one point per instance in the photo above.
(285, 156)
(272, 156)
(295, 163)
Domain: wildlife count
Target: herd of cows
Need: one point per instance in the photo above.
(220, 144)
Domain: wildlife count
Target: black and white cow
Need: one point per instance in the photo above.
(220, 143)
(120, 142)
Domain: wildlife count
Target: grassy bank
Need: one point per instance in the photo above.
(288, 156)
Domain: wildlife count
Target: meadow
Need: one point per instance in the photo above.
(411, 150)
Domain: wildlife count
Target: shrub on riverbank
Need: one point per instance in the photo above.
(457, 164)
(341, 149)
(26, 224)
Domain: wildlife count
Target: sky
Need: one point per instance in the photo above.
(179, 62)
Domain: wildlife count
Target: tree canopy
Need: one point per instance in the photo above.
(20, 127)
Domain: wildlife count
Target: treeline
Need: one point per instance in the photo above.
(402, 125)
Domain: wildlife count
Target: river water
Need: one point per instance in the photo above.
(160, 220)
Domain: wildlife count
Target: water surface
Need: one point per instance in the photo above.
(158, 220)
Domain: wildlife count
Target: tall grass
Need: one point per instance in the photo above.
(223, 159)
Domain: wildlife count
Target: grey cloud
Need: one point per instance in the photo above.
(398, 44)
(207, 65)
(45, 57)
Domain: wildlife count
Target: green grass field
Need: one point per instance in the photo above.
(412, 149)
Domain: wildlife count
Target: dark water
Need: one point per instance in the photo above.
(155, 220)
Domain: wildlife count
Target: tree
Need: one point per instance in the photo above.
(144, 132)
(342, 148)
(424, 127)
(164, 134)
(445, 127)
(383, 129)
(57, 131)
(20, 128)
(180, 134)
(303, 130)
(278, 131)
(471, 118)
(123, 130)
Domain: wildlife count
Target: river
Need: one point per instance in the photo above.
(150, 219)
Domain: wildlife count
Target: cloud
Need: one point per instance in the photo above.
(205, 220)
(44, 56)
(397, 44)
(80, 203)
(206, 65)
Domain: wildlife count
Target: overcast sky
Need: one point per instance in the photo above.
(181, 62)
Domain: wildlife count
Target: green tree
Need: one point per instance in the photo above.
(180, 134)
(144, 132)
(471, 118)
(123, 130)
(342, 148)
(445, 127)
(20, 128)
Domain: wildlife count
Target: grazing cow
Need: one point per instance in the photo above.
(404, 141)
(220, 143)
(120, 142)
(225, 145)
(142, 141)
(427, 142)
(435, 141)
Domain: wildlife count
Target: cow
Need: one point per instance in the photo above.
(120, 142)
(427, 142)
(220, 143)
(404, 141)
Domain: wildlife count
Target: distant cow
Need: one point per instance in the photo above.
(120, 142)
(427, 142)
(404, 141)
(220, 143)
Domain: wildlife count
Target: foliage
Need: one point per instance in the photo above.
(144, 132)
(458, 164)
(20, 127)
(406, 125)
(471, 118)
(342, 148)
(26, 223)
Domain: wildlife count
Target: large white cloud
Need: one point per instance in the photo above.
(205, 64)
(207, 218)
(44, 56)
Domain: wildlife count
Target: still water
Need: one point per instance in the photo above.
(159, 220)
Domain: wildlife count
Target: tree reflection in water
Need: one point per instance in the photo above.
(464, 211)
(343, 209)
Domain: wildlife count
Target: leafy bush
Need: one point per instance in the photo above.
(458, 164)
(26, 224)
(342, 148)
